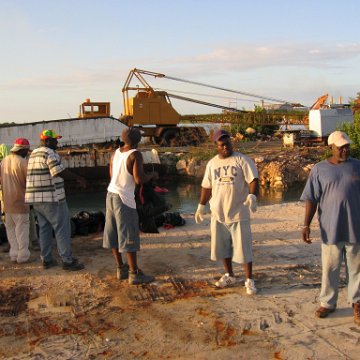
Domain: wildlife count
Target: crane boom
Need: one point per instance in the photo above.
(319, 102)
(228, 90)
(139, 72)
(205, 103)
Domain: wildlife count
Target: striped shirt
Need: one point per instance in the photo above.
(43, 185)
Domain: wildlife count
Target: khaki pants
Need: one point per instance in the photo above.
(17, 230)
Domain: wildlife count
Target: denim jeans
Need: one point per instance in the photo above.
(121, 226)
(331, 257)
(54, 217)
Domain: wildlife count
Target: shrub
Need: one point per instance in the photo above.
(353, 131)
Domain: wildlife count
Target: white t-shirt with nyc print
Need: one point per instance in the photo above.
(228, 180)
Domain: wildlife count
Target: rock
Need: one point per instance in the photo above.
(181, 167)
(250, 130)
(308, 167)
(278, 184)
(191, 168)
(239, 136)
(284, 172)
(276, 170)
(259, 159)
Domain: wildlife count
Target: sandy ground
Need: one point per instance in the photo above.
(90, 315)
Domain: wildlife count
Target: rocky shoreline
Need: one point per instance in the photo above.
(278, 169)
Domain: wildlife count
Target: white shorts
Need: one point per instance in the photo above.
(231, 241)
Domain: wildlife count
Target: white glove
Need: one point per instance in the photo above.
(199, 215)
(251, 202)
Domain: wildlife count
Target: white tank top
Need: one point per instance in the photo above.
(122, 182)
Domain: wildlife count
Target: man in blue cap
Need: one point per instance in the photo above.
(231, 184)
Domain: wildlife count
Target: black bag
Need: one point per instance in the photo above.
(86, 222)
(174, 219)
(149, 206)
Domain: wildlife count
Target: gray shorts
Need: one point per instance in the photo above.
(121, 226)
(231, 241)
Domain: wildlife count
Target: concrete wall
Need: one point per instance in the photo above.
(75, 132)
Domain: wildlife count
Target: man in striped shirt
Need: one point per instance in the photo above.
(45, 191)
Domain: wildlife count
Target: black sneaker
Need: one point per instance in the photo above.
(49, 264)
(137, 277)
(74, 265)
(122, 272)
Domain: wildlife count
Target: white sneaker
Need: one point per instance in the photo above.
(250, 287)
(225, 281)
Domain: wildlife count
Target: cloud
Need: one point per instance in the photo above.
(218, 61)
(72, 80)
(243, 57)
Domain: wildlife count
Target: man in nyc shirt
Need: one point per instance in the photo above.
(231, 184)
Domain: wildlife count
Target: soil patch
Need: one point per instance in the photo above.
(55, 314)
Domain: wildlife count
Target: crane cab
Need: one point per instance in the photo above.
(151, 108)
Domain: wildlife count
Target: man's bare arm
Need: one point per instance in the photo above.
(254, 187)
(205, 196)
(136, 165)
(310, 210)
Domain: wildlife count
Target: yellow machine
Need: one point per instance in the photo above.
(153, 112)
(147, 107)
(89, 109)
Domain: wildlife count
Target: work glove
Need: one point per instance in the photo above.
(199, 215)
(251, 202)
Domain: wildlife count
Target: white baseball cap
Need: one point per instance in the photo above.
(338, 138)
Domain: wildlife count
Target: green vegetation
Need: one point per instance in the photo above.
(202, 153)
(258, 117)
(265, 130)
(353, 130)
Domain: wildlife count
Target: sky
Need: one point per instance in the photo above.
(56, 54)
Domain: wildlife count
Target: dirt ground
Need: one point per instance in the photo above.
(89, 314)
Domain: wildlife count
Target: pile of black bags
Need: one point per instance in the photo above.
(85, 223)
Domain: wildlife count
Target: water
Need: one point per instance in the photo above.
(183, 197)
